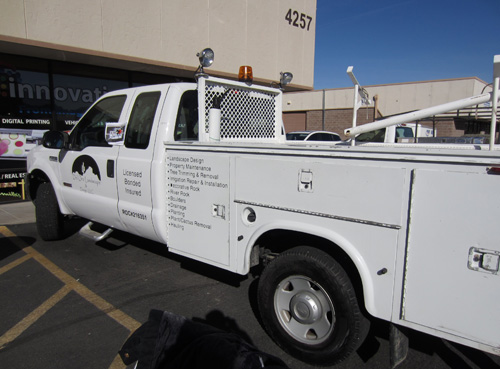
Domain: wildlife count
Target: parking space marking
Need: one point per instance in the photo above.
(14, 264)
(31, 318)
(70, 284)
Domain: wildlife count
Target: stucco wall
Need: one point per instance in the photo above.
(241, 32)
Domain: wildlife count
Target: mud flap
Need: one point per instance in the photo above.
(398, 341)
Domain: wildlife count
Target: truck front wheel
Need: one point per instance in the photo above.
(309, 307)
(49, 220)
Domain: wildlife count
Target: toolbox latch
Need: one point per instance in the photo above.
(482, 260)
(305, 180)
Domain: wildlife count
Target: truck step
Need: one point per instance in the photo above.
(96, 236)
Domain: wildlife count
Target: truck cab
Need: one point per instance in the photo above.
(110, 156)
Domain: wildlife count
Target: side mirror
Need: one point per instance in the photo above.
(115, 133)
(55, 140)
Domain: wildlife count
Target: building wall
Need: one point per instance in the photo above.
(336, 120)
(168, 34)
(295, 121)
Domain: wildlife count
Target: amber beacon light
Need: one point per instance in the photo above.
(245, 74)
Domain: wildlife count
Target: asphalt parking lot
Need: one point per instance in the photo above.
(73, 303)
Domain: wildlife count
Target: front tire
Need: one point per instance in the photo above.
(49, 220)
(309, 307)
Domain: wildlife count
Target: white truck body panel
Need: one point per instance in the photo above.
(367, 207)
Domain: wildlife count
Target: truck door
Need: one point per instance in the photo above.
(87, 169)
(135, 161)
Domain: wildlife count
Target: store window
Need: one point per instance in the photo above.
(25, 99)
(74, 94)
(37, 95)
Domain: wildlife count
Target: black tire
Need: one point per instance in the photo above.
(309, 307)
(49, 220)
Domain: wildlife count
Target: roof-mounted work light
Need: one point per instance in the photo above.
(206, 57)
(285, 79)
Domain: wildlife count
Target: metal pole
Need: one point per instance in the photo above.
(494, 103)
(323, 123)
(355, 112)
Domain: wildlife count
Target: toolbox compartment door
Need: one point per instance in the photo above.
(198, 205)
(452, 280)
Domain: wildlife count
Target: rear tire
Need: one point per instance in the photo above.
(309, 307)
(49, 220)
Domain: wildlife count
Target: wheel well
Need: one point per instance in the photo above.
(277, 241)
(36, 178)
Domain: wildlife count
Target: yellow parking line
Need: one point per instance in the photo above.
(14, 264)
(117, 363)
(6, 232)
(36, 314)
(69, 284)
(114, 313)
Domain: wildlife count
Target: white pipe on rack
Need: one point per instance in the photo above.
(419, 114)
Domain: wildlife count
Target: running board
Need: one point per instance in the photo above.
(86, 231)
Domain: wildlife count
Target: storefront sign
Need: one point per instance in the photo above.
(12, 186)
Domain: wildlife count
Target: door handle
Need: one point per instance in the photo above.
(110, 168)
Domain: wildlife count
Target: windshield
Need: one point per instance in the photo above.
(297, 136)
(373, 136)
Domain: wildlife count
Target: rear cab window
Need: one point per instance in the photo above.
(186, 124)
(141, 120)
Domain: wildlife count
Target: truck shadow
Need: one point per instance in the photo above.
(452, 354)
(10, 245)
(119, 239)
(217, 319)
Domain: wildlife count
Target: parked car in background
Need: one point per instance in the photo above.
(312, 136)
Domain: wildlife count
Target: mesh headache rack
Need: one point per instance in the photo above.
(247, 113)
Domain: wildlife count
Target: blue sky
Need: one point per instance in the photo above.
(391, 41)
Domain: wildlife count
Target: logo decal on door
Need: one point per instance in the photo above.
(86, 174)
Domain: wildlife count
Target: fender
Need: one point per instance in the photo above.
(41, 162)
(369, 286)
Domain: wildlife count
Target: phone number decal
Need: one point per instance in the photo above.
(299, 20)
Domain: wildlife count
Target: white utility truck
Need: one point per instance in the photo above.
(402, 233)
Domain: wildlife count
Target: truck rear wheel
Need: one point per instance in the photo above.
(309, 307)
(49, 220)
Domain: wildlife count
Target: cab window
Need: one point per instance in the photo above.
(90, 130)
(186, 125)
(404, 132)
(141, 120)
(373, 136)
